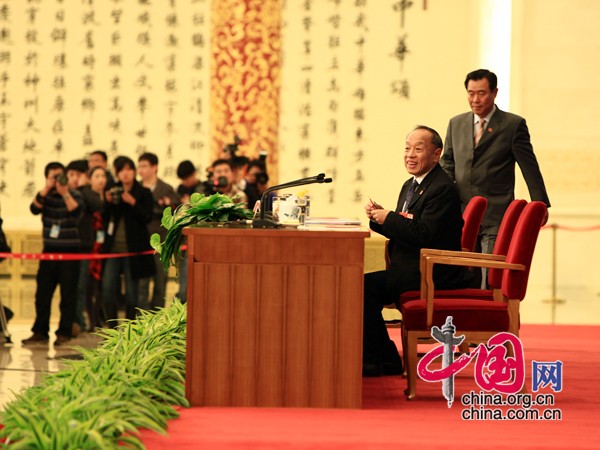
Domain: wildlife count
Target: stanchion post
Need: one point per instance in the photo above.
(554, 301)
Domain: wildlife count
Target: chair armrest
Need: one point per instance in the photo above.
(455, 261)
(425, 252)
(462, 254)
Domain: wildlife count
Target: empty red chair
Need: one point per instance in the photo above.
(477, 320)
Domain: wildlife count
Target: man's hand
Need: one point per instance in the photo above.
(164, 201)
(128, 198)
(379, 215)
(62, 189)
(370, 207)
(50, 183)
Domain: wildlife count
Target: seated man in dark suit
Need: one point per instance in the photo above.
(428, 215)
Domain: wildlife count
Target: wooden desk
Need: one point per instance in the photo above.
(275, 317)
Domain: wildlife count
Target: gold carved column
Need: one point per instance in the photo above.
(245, 76)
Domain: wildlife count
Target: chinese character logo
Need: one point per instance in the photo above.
(546, 374)
(500, 364)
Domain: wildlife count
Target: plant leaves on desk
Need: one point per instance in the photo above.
(200, 208)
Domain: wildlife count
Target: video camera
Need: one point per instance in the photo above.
(212, 186)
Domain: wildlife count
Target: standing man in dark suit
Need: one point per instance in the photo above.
(482, 147)
(428, 215)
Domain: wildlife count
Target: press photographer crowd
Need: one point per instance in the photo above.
(88, 208)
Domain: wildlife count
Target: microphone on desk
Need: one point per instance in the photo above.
(264, 221)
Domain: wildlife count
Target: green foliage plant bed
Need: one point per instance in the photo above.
(199, 209)
(132, 380)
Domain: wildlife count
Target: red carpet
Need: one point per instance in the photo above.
(389, 420)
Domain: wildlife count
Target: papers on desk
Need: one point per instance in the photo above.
(332, 222)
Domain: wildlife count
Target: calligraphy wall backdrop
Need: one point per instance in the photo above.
(80, 75)
(357, 76)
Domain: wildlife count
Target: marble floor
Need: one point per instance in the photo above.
(23, 366)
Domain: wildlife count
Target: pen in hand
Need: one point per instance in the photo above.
(375, 204)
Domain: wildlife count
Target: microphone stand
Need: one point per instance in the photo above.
(267, 221)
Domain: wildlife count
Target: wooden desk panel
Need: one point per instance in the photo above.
(283, 328)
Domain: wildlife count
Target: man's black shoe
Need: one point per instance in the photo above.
(371, 370)
(61, 340)
(35, 338)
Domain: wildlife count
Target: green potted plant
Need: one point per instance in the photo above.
(199, 209)
(133, 380)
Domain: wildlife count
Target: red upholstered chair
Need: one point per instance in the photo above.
(472, 217)
(505, 234)
(475, 319)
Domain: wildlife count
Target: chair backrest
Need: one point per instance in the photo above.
(514, 282)
(505, 234)
(472, 217)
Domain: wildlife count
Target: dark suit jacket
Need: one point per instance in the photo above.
(436, 223)
(489, 169)
(136, 219)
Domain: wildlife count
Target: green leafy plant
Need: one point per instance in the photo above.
(131, 381)
(200, 208)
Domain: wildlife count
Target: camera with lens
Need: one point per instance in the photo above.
(61, 179)
(116, 193)
(213, 186)
(232, 149)
(219, 183)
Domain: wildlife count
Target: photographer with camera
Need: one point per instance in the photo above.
(223, 181)
(127, 211)
(256, 181)
(61, 209)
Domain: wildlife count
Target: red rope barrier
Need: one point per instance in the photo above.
(566, 228)
(71, 256)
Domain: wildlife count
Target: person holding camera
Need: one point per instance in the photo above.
(189, 182)
(61, 208)
(224, 183)
(127, 211)
(256, 181)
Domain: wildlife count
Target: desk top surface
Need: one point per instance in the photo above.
(247, 230)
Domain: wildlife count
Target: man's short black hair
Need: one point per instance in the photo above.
(52, 166)
(480, 74)
(185, 169)
(436, 139)
(79, 165)
(220, 162)
(239, 161)
(100, 153)
(121, 162)
(150, 157)
(257, 163)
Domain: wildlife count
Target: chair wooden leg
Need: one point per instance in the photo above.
(411, 365)
(404, 345)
